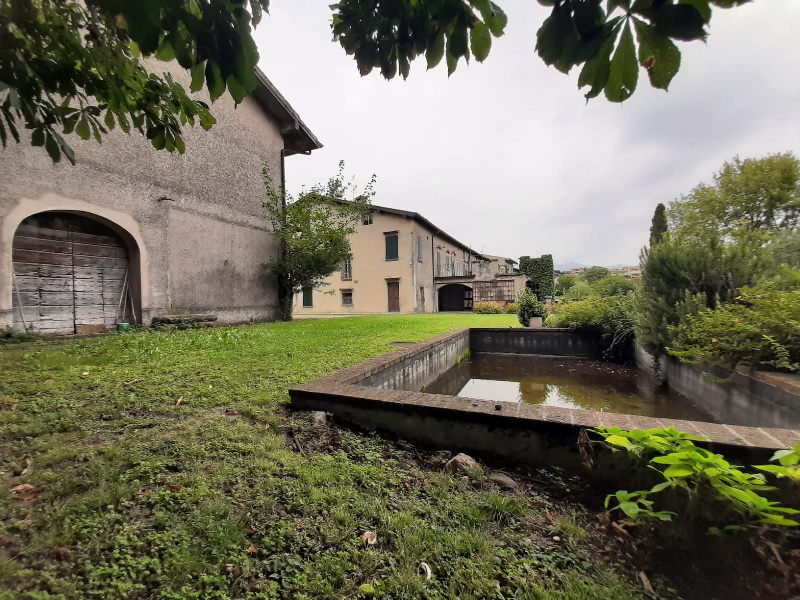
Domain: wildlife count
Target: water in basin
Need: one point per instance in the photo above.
(566, 383)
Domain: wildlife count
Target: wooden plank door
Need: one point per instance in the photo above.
(69, 275)
(393, 288)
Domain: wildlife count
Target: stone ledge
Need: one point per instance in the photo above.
(501, 428)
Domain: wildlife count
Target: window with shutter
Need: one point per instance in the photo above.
(392, 252)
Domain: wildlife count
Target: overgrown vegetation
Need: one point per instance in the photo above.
(611, 317)
(698, 485)
(760, 328)
(540, 273)
(706, 293)
(164, 464)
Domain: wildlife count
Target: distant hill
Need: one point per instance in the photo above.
(571, 264)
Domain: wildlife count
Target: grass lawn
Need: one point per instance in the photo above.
(137, 495)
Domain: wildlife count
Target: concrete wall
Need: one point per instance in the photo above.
(200, 249)
(549, 342)
(419, 369)
(509, 432)
(760, 399)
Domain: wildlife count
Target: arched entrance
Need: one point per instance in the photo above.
(71, 274)
(455, 296)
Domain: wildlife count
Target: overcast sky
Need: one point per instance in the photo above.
(507, 156)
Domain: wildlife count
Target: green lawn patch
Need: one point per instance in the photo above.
(166, 464)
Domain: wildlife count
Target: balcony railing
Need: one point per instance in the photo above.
(455, 270)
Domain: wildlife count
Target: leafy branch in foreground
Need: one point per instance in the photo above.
(312, 232)
(597, 34)
(77, 67)
(703, 483)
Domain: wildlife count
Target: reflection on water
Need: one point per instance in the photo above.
(564, 382)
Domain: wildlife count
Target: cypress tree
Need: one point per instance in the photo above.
(659, 225)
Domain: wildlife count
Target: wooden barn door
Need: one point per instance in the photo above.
(69, 274)
(394, 295)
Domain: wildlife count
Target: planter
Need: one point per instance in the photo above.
(536, 323)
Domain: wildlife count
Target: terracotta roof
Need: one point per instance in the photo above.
(297, 137)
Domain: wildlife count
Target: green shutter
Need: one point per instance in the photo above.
(307, 297)
(391, 248)
(419, 248)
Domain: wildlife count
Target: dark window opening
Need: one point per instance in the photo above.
(307, 297)
(392, 248)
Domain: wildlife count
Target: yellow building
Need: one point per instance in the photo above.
(404, 263)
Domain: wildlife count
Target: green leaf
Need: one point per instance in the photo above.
(553, 33)
(658, 54)
(457, 43)
(179, 144)
(198, 77)
(624, 71)
(618, 440)
(235, 88)
(613, 4)
(37, 137)
(82, 128)
(216, 85)
(109, 120)
(702, 7)
(678, 21)
(630, 508)
(596, 70)
(679, 471)
(51, 145)
(435, 50)
(481, 41)
(165, 51)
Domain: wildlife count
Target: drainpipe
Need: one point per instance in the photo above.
(435, 299)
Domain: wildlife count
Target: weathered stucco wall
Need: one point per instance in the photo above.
(761, 399)
(197, 218)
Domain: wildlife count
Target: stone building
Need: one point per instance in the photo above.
(404, 263)
(130, 233)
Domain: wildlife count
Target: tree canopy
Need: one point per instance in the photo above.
(754, 194)
(596, 35)
(659, 225)
(77, 67)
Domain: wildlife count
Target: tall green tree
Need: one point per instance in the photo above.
(659, 225)
(312, 232)
(593, 274)
(754, 194)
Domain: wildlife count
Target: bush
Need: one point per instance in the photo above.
(699, 483)
(488, 308)
(579, 291)
(512, 308)
(760, 329)
(611, 285)
(529, 306)
(611, 317)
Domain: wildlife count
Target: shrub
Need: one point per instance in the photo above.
(761, 329)
(611, 285)
(704, 484)
(488, 308)
(529, 306)
(611, 317)
(512, 308)
(580, 290)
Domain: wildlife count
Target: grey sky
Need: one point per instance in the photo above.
(508, 157)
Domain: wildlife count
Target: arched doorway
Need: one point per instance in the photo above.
(71, 275)
(455, 296)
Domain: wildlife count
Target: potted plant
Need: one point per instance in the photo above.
(530, 312)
